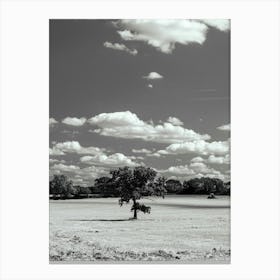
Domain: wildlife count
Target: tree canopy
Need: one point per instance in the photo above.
(135, 183)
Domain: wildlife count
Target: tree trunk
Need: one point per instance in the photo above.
(135, 210)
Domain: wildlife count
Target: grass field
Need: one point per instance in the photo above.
(180, 228)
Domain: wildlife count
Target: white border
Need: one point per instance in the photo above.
(255, 138)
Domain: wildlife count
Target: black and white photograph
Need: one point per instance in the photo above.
(139, 157)
(123, 127)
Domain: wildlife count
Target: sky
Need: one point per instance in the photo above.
(139, 92)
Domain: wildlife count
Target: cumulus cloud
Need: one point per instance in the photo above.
(175, 121)
(163, 34)
(75, 148)
(154, 155)
(65, 168)
(200, 167)
(114, 160)
(153, 76)
(220, 24)
(82, 176)
(119, 119)
(100, 165)
(219, 160)
(128, 125)
(225, 127)
(74, 121)
(52, 121)
(199, 147)
(197, 159)
(180, 170)
(195, 169)
(141, 151)
(54, 160)
(136, 157)
(55, 152)
(120, 47)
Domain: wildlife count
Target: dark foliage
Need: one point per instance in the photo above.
(141, 207)
(174, 186)
(135, 183)
(107, 187)
(61, 187)
(205, 185)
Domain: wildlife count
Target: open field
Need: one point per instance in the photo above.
(180, 228)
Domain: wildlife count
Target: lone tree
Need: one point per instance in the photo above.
(135, 183)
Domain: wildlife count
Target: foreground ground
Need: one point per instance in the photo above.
(179, 229)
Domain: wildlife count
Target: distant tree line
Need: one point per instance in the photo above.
(203, 185)
(60, 187)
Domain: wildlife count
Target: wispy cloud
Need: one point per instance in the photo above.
(120, 47)
(225, 127)
(220, 24)
(210, 98)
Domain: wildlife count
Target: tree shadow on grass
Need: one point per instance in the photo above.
(103, 220)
